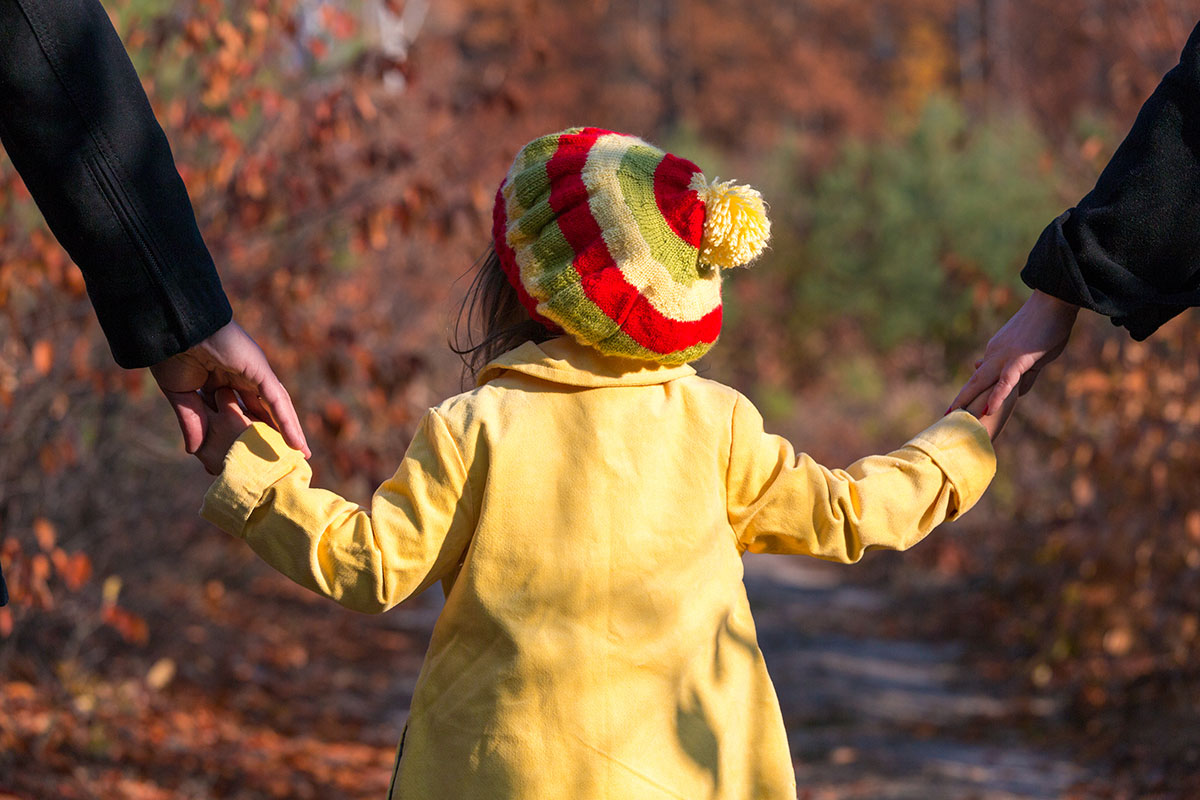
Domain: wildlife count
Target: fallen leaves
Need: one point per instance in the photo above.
(314, 712)
(130, 626)
(333, 204)
(161, 674)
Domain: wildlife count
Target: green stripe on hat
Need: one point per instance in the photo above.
(569, 306)
(620, 343)
(643, 278)
(549, 260)
(539, 150)
(531, 183)
(636, 176)
(534, 220)
(564, 300)
(587, 322)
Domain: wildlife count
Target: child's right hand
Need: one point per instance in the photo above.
(995, 418)
(224, 426)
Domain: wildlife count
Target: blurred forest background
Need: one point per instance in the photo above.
(342, 157)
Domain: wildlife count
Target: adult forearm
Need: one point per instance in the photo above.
(1131, 248)
(79, 129)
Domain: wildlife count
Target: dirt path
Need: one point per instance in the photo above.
(873, 717)
(281, 694)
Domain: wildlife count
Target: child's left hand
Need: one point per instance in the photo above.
(993, 419)
(224, 426)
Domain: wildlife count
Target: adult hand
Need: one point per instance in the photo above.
(225, 425)
(993, 418)
(228, 358)
(1035, 336)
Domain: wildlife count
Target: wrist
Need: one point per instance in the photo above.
(1053, 305)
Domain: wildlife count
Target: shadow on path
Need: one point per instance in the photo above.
(873, 717)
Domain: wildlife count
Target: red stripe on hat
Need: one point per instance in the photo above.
(508, 261)
(644, 323)
(602, 280)
(680, 206)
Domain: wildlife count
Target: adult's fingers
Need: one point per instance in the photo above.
(191, 414)
(280, 404)
(237, 358)
(1010, 376)
(255, 405)
(984, 376)
(975, 407)
(997, 416)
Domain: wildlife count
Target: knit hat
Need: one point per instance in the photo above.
(621, 245)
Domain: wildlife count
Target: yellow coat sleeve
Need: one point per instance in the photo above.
(782, 503)
(415, 532)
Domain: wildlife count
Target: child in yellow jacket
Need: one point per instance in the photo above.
(587, 505)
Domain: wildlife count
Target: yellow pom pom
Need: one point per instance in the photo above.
(736, 228)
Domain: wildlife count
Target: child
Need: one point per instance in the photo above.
(587, 505)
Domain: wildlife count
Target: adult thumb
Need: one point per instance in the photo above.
(192, 416)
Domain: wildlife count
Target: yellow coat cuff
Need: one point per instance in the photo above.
(961, 447)
(258, 459)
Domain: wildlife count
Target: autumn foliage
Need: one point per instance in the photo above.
(342, 159)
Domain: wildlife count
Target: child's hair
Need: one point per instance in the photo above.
(491, 319)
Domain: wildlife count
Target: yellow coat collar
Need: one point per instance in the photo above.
(564, 361)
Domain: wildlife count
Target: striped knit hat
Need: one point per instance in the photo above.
(620, 244)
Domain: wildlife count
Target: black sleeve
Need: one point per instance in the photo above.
(1131, 248)
(79, 129)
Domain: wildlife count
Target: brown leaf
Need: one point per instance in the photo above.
(77, 571)
(339, 23)
(1192, 522)
(1118, 641)
(39, 568)
(366, 108)
(43, 356)
(130, 626)
(59, 559)
(259, 22)
(43, 531)
(161, 674)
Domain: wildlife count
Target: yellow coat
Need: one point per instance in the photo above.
(587, 517)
